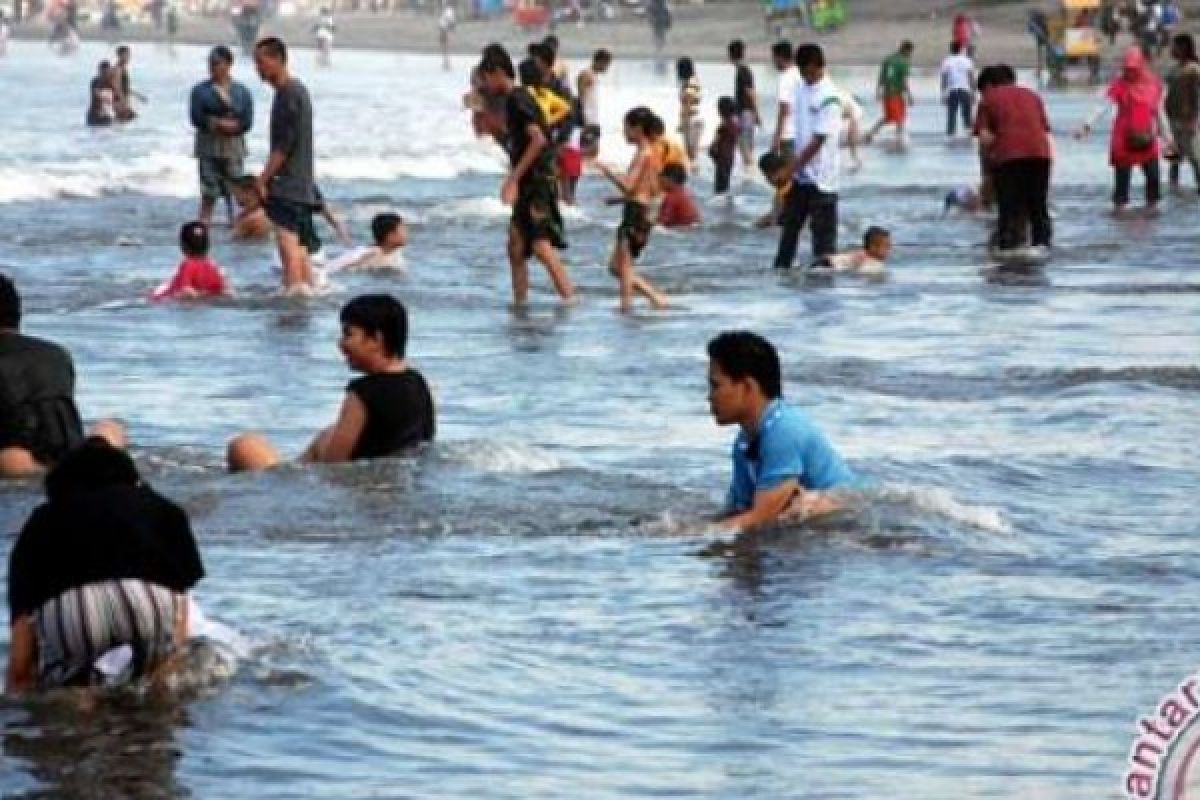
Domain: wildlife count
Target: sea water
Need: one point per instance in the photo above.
(524, 610)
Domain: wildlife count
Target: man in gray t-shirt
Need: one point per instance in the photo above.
(286, 183)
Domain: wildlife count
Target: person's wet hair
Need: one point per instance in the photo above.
(273, 47)
(382, 315)
(530, 73)
(602, 57)
(10, 304)
(782, 50)
(221, 53)
(543, 53)
(123, 50)
(640, 118)
(737, 50)
(675, 173)
(551, 43)
(988, 78)
(383, 224)
(726, 107)
(103, 67)
(875, 234)
(906, 46)
(956, 47)
(1005, 75)
(655, 127)
(1184, 45)
(810, 55)
(496, 59)
(685, 69)
(94, 465)
(741, 355)
(193, 239)
(771, 162)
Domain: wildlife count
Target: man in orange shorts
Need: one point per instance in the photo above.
(893, 90)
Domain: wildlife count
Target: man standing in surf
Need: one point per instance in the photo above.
(531, 186)
(286, 184)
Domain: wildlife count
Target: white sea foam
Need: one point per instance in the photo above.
(507, 458)
(939, 501)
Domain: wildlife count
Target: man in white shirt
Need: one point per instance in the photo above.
(783, 141)
(958, 88)
(817, 116)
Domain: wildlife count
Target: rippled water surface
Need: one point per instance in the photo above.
(520, 612)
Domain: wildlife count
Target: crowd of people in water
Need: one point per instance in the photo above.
(109, 602)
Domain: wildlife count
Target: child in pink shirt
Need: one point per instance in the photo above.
(197, 275)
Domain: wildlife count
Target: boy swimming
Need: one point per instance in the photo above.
(197, 275)
(390, 235)
(871, 259)
(638, 187)
(386, 411)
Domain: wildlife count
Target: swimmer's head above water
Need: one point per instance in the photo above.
(389, 231)
(877, 243)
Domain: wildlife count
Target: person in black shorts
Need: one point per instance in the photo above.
(39, 422)
(531, 187)
(286, 184)
(385, 412)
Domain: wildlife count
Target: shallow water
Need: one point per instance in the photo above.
(517, 613)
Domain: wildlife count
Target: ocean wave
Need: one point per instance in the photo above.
(501, 457)
(942, 503)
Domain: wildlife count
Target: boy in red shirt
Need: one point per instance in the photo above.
(197, 275)
(678, 209)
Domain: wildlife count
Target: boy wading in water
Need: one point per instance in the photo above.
(531, 187)
(638, 187)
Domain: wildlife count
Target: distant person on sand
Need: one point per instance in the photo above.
(531, 186)
(958, 88)
(447, 22)
(222, 112)
(691, 120)
(286, 183)
(39, 422)
(783, 465)
(197, 276)
(747, 102)
(893, 91)
(384, 413)
(102, 99)
(1183, 108)
(659, 15)
(324, 31)
(1014, 137)
(783, 141)
(4, 34)
(1136, 94)
(638, 187)
(813, 199)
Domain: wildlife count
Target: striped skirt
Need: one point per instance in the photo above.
(81, 625)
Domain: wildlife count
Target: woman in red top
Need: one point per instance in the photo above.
(1015, 145)
(1136, 95)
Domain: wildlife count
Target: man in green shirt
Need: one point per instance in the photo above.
(892, 89)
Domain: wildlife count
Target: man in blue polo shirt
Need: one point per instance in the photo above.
(782, 463)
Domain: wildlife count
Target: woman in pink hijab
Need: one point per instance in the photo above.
(1137, 95)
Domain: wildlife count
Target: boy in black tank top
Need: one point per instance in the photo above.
(385, 412)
